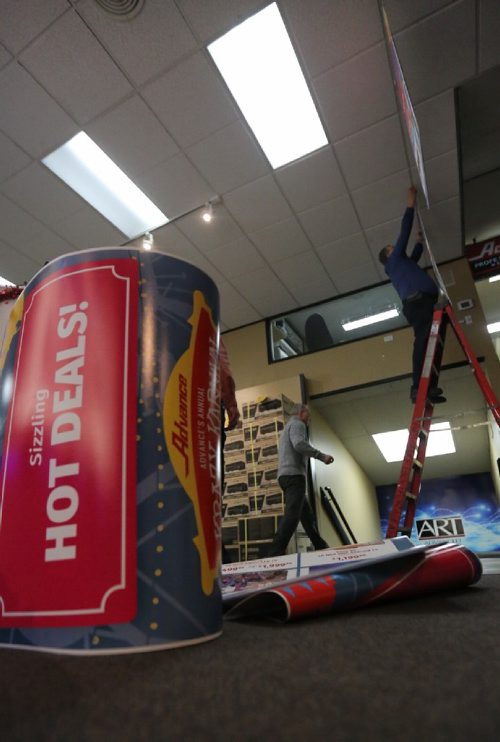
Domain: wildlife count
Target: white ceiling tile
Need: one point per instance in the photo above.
(304, 276)
(220, 231)
(5, 57)
(17, 224)
(264, 288)
(311, 180)
(15, 266)
(330, 221)
(87, 229)
(55, 61)
(356, 94)
(234, 309)
(191, 100)
(175, 186)
(351, 280)
(42, 194)
(281, 240)
(29, 115)
(442, 176)
(133, 137)
(21, 22)
(437, 124)
(382, 201)
(443, 228)
(344, 254)
(373, 153)
(229, 158)
(236, 258)
(143, 46)
(12, 158)
(489, 33)
(403, 13)
(213, 19)
(327, 33)
(439, 52)
(258, 204)
(46, 245)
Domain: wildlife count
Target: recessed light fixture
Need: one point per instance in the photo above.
(392, 444)
(86, 168)
(494, 278)
(493, 327)
(4, 282)
(261, 69)
(371, 320)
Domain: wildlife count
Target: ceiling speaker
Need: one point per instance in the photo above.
(121, 9)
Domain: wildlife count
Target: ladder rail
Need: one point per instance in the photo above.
(409, 484)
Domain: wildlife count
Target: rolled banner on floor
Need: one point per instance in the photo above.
(110, 442)
(437, 569)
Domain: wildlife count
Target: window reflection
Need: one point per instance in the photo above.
(334, 322)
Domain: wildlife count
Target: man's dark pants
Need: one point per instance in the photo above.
(297, 509)
(419, 312)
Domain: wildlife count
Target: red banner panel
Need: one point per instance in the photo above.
(68, 478)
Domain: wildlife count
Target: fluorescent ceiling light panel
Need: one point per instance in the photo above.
(87, 169)
(4, 282)
(393, 444)
(262, 72)
(493, 327)
(380, 317)
(494, 278)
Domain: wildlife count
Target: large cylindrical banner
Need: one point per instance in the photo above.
(110, 469)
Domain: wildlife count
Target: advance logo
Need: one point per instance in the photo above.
(439, 528)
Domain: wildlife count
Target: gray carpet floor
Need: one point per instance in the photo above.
(420, 669)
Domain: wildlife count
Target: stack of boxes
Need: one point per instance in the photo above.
(252, 499)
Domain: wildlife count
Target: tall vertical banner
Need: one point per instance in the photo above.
(405, 105)
(406, 108)
(109, 478)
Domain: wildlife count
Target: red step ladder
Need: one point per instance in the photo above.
(410, 478)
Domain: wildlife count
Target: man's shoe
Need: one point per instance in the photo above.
(438, 399)
(435, 395)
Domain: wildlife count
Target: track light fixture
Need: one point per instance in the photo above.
(147, 241)
(208, 213)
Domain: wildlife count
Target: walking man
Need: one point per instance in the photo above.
(294, 450)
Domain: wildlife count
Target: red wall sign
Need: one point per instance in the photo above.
(484, 257)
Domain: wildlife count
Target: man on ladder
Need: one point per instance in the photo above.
(417, 291)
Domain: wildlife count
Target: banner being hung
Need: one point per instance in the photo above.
(110, 427)
(405, 105)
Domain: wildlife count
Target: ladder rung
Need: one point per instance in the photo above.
(418, 464)
(423, 433)
(410, 496)
(405, 532)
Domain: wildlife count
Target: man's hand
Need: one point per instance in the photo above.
(327, 459)
(412, 197)
(233, 417)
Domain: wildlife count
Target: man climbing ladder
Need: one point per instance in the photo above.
(417, 291)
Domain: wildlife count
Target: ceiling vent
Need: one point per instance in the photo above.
(121, 9)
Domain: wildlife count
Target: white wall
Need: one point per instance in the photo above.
(353, 491)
